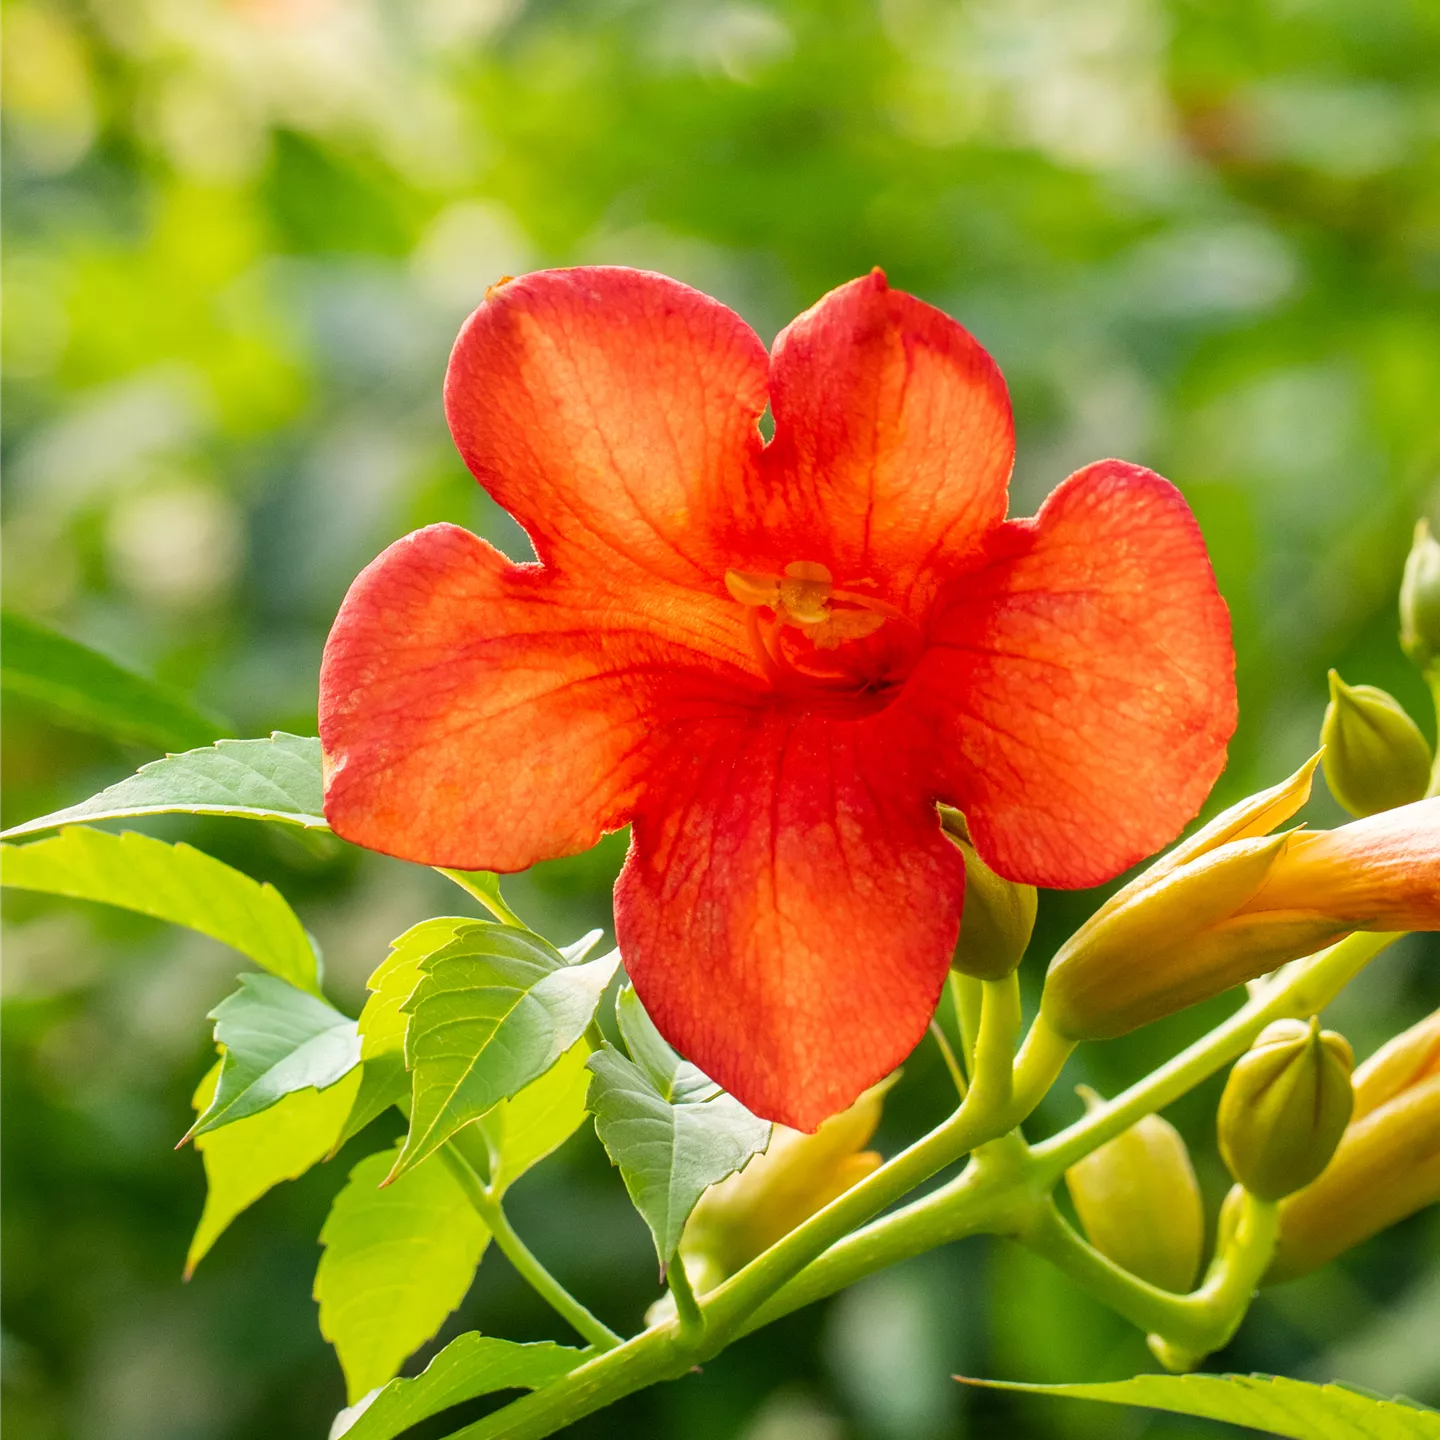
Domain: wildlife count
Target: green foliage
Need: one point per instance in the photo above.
(397, 1261)
(275, 1040)
(494, 1010)
(1272, 1403)
(384, 1082)
(522, 1131)
(382, 1022)
(274, 779)
(670, 1129)
(468, 1366)
(244, 1160)
(89, 691)
(171, 882)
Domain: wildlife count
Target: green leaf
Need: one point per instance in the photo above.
(276, 1040)
(1272, 1403)
(171, 882)
(397, 1261)
(469, 1366)
(382, 1025)
(92, 692)
(246, 1159)
(676, 1079)
(672, 1131)
(384, 1082)
(522, 1131)
(274, 779)
(494, 1010)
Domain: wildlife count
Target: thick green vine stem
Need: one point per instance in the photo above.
(1184, 1329)
(1003, 1190)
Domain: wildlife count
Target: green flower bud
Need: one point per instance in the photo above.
(999, 915)
(1285, 1107)
(1387, 1166)
(1420, 599)
(1375, 756)
(1139, 1202)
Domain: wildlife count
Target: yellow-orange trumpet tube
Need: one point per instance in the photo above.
(1228, 906)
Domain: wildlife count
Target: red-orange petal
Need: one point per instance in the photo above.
(1079, 684)
(614, 413)
(789, 907)
(482, 715)
(893, 443)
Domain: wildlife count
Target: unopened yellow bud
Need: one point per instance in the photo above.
(796, 1176)
(1165, 946)
(999, 915)
(1139, 1202)
(1387, 1165)
(1420, 600)
(1375, 756)
(1285, 1107)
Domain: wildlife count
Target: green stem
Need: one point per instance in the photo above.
(957, 1075)
(966, 993)
(487, 892)
(1183, 1329)
(1003, 1190)
(1301, 990)
(692, 1321)
(521, 1257)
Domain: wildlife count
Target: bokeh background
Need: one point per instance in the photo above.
(239, 238)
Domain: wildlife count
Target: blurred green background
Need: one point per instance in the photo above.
(239, 239)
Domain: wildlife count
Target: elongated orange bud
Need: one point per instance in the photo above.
(1235, 908)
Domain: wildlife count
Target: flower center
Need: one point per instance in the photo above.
(812, 641)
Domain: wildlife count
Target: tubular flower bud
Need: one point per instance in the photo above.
(1375, 756)
(1286, 1105)
(1387, 1165)
(999, 915)
(796, 1176)
(1236, 909)
(1420, 599)
(1139, 1202)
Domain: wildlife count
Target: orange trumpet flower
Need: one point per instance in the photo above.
(772, 660)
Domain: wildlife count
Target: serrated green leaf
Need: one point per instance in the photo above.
(494, 1010)
(382, 1025)
(276, 1040)
(397, 1261)
(522, 1131)
(469, 1366)
(171, 882)
(384, 1082)
(92, 692)
(244, 1160)
(1272, 1403)
(274, 779)
(671, 1130)
(676, 1079)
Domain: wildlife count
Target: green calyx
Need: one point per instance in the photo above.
(1420, 600)
(999, 914)
(1375, 756)
(1285, 1107)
